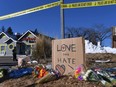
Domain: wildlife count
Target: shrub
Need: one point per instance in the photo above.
(42, 49)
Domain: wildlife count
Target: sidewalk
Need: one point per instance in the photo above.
(7, 61)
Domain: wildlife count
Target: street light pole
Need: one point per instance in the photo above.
(62, 21)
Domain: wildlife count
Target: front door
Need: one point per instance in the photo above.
(28, 50)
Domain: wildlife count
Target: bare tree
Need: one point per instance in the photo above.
(75, 32)
(102, 32)
(87, 33)
(91, 35)
(97, 33)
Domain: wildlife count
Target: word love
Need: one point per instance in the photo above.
(64, 47)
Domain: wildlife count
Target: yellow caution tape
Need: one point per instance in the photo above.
(88, 4)
(30, 10)
(63, 6)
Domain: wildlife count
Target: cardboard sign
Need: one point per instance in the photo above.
(67, 54)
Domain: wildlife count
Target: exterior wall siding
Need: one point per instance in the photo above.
(3, 39)
(8, 50)
(3, 45)
(5, 42)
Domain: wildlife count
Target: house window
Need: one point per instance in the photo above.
(2, 48)
(11, 46)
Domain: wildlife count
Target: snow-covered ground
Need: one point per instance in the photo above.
(90, 48)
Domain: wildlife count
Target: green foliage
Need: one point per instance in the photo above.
(36, 31)
(9, 31)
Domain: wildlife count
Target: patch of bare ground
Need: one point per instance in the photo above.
(66, 81)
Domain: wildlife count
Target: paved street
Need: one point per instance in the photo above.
(7, 61)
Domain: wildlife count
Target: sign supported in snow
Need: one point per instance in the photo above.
(67, 54)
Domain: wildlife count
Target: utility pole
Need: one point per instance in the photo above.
(114, 37)
(62, 21)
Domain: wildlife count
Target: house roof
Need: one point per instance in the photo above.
(26, 33)
(33, 33)
(9, 39)
(12, 37)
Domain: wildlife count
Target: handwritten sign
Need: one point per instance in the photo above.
(67, 54)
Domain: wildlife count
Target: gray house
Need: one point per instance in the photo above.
(7, 44)
(23, 44)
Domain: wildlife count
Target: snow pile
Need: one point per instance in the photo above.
(90, 48)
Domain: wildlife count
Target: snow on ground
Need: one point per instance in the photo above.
(90, 48)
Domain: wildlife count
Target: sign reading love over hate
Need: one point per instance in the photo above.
(67, 54)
